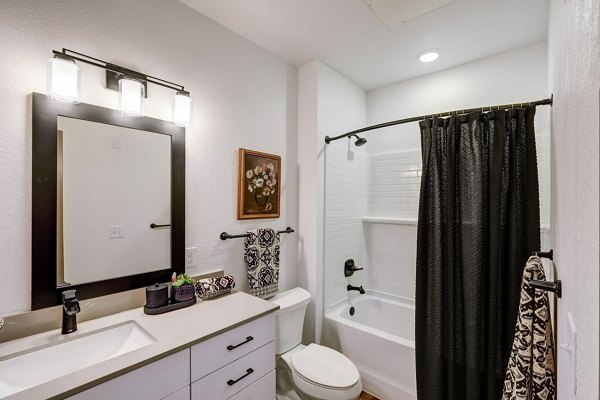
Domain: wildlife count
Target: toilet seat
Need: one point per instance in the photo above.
(324, 367)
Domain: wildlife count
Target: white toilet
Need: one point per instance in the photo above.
(310, 372)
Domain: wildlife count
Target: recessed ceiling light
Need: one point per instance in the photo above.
(429, 55)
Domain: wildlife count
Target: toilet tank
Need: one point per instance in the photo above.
(289, 319)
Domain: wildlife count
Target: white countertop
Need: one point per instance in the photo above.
(173, 331)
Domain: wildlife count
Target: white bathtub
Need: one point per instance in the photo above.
(379, 339)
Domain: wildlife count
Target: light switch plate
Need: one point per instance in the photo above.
(190, 256)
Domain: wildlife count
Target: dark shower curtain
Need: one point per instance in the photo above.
(479, 221)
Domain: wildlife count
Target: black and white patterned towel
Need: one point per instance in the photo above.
(261, 254)
(531, 372)
(213, 287)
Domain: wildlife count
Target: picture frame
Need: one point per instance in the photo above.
(259, 185)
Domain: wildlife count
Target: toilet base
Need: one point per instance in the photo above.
(284, 386)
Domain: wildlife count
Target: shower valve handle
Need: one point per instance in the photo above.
(350, 268)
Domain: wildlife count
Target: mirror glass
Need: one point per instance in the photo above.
(113, 184)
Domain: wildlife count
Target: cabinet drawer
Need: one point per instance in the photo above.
(262, 389)
(152, 382)
(220, 350)
(232, 378)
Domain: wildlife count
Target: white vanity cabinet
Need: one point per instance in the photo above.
(237, 364)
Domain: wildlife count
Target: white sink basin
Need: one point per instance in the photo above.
(44, 363)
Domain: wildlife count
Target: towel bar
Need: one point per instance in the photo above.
(554, 287)
(225, 235)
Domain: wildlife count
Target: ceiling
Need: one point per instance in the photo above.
(355, 40)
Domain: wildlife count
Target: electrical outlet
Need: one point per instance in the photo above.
(117, 231)
(190, 256)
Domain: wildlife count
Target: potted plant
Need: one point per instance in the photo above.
(182, 288)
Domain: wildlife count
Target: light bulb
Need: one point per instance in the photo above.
(429, 55)
(131, 97)
(63, 80)
(182, 109)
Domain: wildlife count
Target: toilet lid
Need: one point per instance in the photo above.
(325, 367)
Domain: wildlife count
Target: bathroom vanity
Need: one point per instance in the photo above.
(218, 349)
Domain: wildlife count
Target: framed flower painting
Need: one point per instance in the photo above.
(259, 188)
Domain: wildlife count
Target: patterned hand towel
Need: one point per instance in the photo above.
(261, 254)
(531, 372)
(213, 287)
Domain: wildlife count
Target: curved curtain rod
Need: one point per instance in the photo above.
(444, 114)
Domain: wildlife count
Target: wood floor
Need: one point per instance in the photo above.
(367, 396)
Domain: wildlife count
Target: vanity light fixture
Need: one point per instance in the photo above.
(182, 108)
(63, 79)
(429, 55)
(132, 85)
(131, 97)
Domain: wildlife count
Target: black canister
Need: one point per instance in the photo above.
(157, 295)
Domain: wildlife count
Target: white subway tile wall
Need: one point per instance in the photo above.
(394, 184)
(386, 186)
(346, 197)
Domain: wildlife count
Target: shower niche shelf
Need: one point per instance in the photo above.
(390, 220)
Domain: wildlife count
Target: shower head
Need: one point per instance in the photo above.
(359, 141)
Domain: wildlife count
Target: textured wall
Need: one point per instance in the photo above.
(243, 97)
(574, 73)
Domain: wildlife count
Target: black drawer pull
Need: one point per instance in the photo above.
(231, 347)
(232, 382)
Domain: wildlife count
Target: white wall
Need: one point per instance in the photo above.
(329, 104)
(515, 76)
(243, 97)
(310, 203)
(574, 67)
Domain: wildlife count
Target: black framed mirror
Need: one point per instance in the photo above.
(49, 219)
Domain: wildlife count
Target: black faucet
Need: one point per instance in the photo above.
(350, 268)
(360, 289)
(70, 310)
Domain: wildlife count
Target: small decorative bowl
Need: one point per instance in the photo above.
(184, 292)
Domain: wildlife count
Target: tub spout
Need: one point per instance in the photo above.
(357, 288)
